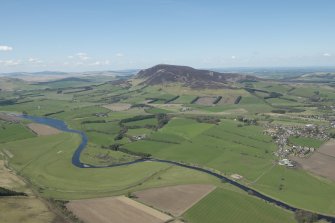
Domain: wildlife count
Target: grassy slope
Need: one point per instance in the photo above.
(229, 206)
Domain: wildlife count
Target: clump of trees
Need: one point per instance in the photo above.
(7, 193)
(246, 121)
(237, 100)
(305, 216)
(121, 133)
(217, 100)
(194, 100)
(273, 95)
(118, 147)
(93, 121)
(172, 99)
(278, 111)
(208, 119)
(162, 119)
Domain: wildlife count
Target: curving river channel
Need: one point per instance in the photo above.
(61, 125)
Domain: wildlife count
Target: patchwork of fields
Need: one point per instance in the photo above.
(172, 122)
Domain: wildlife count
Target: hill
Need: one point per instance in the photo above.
(190, 77)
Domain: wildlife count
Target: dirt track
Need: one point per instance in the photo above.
(175, 199)
(322, 162)
(42, 130)
(115, 210)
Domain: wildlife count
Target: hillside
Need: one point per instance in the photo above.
(188, 76)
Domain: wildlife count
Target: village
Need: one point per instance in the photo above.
(281, 135)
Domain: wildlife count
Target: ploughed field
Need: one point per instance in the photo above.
(321, 162)
(115, 210)
(174, 200)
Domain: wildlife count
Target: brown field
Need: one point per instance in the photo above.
(115, 210)
(205, 101)
(227, 100)
(174, 199)
(21, 209)
(42, 130)
(9, 118)
(117, 106)
(321, 162)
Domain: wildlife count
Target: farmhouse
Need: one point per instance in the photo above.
(285, 162)
(236, 176)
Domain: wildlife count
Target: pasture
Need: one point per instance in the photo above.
(46, 162)
(229, 206)
(13, 131)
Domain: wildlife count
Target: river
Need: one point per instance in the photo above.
(61, 125)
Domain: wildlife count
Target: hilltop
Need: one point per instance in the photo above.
(190, 77)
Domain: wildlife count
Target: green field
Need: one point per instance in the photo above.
(304, 141)
(214, 146)
(11, 132)
(229, 206)
(46, 162)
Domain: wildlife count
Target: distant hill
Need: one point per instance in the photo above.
(188, 76)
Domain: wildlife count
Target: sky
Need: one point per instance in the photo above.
(82, 35)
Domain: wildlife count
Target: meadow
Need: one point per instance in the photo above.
(224, 205)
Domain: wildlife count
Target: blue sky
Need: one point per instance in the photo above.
(77, 35)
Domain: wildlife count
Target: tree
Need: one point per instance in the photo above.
(305, 216)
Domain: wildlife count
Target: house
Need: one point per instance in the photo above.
(285, 162)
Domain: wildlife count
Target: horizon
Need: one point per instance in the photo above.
(312, 68)
(78, 36)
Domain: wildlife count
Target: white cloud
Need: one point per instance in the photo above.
(233, 57)
(100, 63)
(10, 62)
(82, 56)
(5, 48)
(119, 54)
(34, 60)
(79, 56)
(327, 55)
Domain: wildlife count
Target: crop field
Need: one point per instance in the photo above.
(14, 131)
(205, 101)
(227, 100)
(174, 199)
(229, 206)
(115, 210)
(321, 162)
(42, 130)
